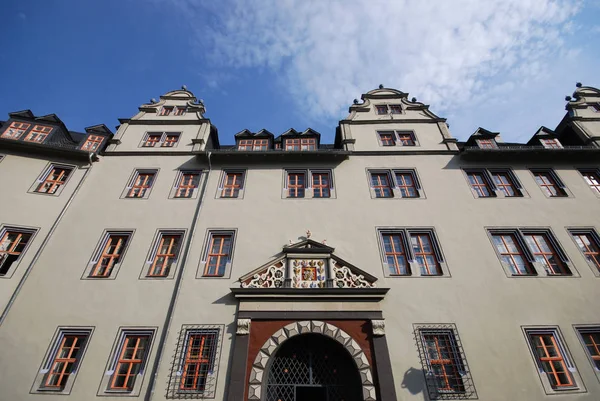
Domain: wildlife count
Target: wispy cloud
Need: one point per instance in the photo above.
(448, 53)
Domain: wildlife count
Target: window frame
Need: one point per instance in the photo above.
(50, 357)
(162, 140)
(176, 374)
(551, 143)
(222, 180)
(99, 251)
(113, 361)
(10, 228)
(302, 142)
(38, 130)
(518, 188)
(21, 127)
(537, 268)
(255, 144)
(483, 142)
(557, 182)
(586, 329)
(393, 138)
(133, 179)
(413, 267)
(166, 111)
(567, 359)
(395, 187)
(595, 188)
(487, 182)
(398, 142)
(180, 110)
(381, 109)
(34, 189)
(96, 140)
(160, 234)
(591, 232)
(309, 187)
(178, 180)
(210, 234)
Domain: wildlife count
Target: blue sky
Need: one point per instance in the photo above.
(505, 65)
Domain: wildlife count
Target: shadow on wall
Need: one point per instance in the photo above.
(414, 382)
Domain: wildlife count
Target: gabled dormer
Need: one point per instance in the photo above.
(387, 121)
(254, 141)
(545, 137)
(175, 123)
(96, 138)
(292, 140)
(484, 139)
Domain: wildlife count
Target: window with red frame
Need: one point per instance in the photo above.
(505, 183)
(296, 184)
(479, 184)
(53, 179)
(292, 144)
(380, 182)
(424, 253)
(321, 184)
(111, 252)
(141, 184)
(165, 111)
(406, 184)
(233, 182)
(387, 138)
(395, 109)
(15, 130)
(198, 360)
(588, 244)
(395, 253)
(171, 140)
(511, 253)
(381, 109)
(64, 362)
(38, 133)
(218, 255)
(13, 243)
(180, 110)
(591, 341)
(550, 357)
(245, 144)
(308, 144)
(592, 178)
(544, 253)
(406, 138)
(152, 140)
(444, 360)
(486, 143)
(131, 358)
(92, 143)
(551, 143)
(547, 181)
(165, 255)
(188, 183)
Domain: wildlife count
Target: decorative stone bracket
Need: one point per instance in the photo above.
(243, 327)
(378, 327)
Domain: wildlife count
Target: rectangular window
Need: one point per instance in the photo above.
(549, 183)
(165, 254)
(62, 360)
(92, 143)
(410, 251)
(406, 138)
(589, 244)
(302, 144)
(480, 184)
(253, 144)
(592, 178)
(486, 143)
(292, 144)
(166, 110)
(170, 139)
(129, 360)
(396, 109)
(551, 358)
(152, 139)
(381, 109)
(196, 362)
(53, 180)
(13, 243)
(164, 139)
(321, 183)
(387, 138)
(109, 254)
(296, 184)
(505, 183)
(245, 144)
(141, 184)
(380, 182)
(395, 253)
(38, 133)
(529, 252)
(424, 254)
(551, 143)
(232, 184)
(180, 110)
(218, 255)
(187, 184)
(447, 374)
(15, 130)
(406, 183)
(590, 337)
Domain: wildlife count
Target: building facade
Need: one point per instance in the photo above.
(396, 263)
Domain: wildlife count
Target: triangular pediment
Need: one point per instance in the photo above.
(307, 264)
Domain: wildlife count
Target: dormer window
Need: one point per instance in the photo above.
(166, 111)
(301, 144)
(92, 143)
(15, 130)
(38, 133)
(180, 110)
(487, 143)
(253, 144)
(551, 143)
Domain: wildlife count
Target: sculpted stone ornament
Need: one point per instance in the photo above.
(243, 327)
(378, 327)
(344, 278)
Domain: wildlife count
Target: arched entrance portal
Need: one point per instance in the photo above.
(313, 367)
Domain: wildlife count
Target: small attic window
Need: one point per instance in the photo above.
(487, 143)
(396, 109)
(382, 109)
(551, 143)
(180, 110)
(165, 111)
(595, 107)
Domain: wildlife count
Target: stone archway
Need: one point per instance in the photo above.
(259, 367)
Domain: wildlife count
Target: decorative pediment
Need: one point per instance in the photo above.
(308, 264)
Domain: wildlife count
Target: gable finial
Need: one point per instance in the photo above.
(324, 242)
(308, 233)
(578, 84)
(184, 87)
(291, 242)
(355, 101)
(568, 98)
(153, 100)
(414, 100)
(380, 86)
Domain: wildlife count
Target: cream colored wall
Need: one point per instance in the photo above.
(429, 136)
(132, 136)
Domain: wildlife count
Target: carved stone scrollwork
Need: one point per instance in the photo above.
(243, 327)
(273, 277)
(344, 278)
(378, 327)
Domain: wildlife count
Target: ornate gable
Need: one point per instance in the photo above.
(307, 264)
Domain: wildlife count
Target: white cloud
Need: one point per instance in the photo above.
(449, 53)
